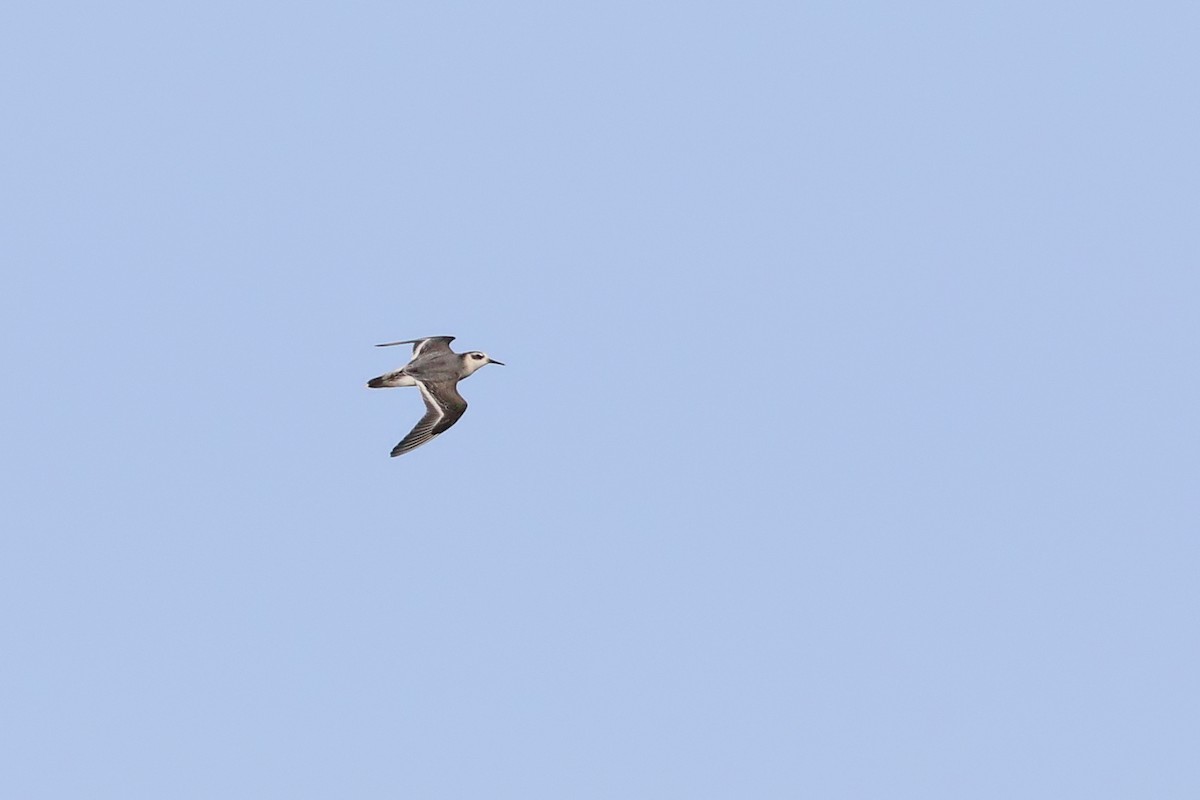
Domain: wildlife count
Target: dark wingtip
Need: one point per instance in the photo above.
(375, 383)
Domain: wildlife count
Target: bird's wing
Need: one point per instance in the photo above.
(443, 406)
(429, 344)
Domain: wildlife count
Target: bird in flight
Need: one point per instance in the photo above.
(435, 369)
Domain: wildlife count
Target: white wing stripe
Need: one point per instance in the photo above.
(433, 404)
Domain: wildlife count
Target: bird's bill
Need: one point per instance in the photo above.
(494, 361)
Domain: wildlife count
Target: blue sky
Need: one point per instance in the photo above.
(847, 446)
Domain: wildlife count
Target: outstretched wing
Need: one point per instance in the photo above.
(443, 406)
(429, 344)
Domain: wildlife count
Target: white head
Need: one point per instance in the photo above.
(475, 359)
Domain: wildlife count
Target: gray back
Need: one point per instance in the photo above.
(436, 366)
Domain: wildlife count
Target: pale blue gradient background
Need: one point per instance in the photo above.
(848, 445)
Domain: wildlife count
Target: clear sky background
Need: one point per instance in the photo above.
(847, 446)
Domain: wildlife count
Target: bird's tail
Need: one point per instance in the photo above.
(388, 379)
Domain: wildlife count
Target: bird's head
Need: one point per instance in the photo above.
(475, 359)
